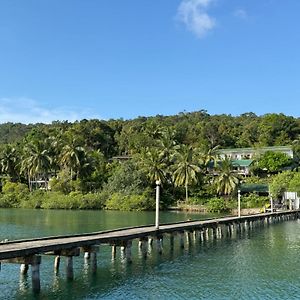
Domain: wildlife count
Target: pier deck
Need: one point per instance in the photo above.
(29, 247)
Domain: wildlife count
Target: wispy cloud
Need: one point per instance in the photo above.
(193, 13)
(25, 110)
(240, 13)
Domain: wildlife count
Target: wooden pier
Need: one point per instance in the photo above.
(29, 252)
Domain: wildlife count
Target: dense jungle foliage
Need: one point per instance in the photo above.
(114, 164)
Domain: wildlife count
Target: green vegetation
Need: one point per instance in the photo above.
(114, 164)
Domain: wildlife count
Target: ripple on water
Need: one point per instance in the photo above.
(262, 265)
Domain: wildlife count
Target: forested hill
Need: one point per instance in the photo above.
(116, 137)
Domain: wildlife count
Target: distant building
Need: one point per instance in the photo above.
(242, 158)
(291, 199)
(250, 153)
(242, 166)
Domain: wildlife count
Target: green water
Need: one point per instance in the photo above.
(262, 264)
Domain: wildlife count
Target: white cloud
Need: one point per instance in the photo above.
(193, 13)
(240, 13)
(25, 110)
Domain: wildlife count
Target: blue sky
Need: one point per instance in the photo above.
(74, 59)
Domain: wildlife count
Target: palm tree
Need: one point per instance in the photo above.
(9, 162)
(211, 155)
(72, 157)
(36, 161)
(54, 146)
(167, 143)
(226, 180)
(186, 168)
(154, 165)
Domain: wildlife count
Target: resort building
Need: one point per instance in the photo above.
(242, 158)
(250, 153)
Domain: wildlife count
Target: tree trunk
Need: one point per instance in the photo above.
(186, 193)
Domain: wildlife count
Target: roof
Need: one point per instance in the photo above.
(241, 162)
(254, 187)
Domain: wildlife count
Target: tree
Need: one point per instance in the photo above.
(9, 158)
(281, 183)
(72, 157)
(36, 161)
(153, 164)
(294, 184)
(226, 181)
(186, 168)
(272, 161)
(210, 155)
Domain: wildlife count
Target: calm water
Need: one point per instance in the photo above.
(263, 264)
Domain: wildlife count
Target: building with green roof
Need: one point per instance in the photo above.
(242, 166)
(250, 153)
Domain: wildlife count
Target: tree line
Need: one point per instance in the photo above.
(115, 163)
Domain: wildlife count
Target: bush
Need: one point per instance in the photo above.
(34, 199)
(75, 200)
(13, 194)
(217, 205)
(254, 201)
(140, 202)
(197, 201)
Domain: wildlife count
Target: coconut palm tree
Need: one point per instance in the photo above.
(9, 162)
(211, 155)
(72, 157)
(153, 164)
(226, 181)
(186, 168)
(36, 161)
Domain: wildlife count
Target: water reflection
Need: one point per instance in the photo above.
(247, 265)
